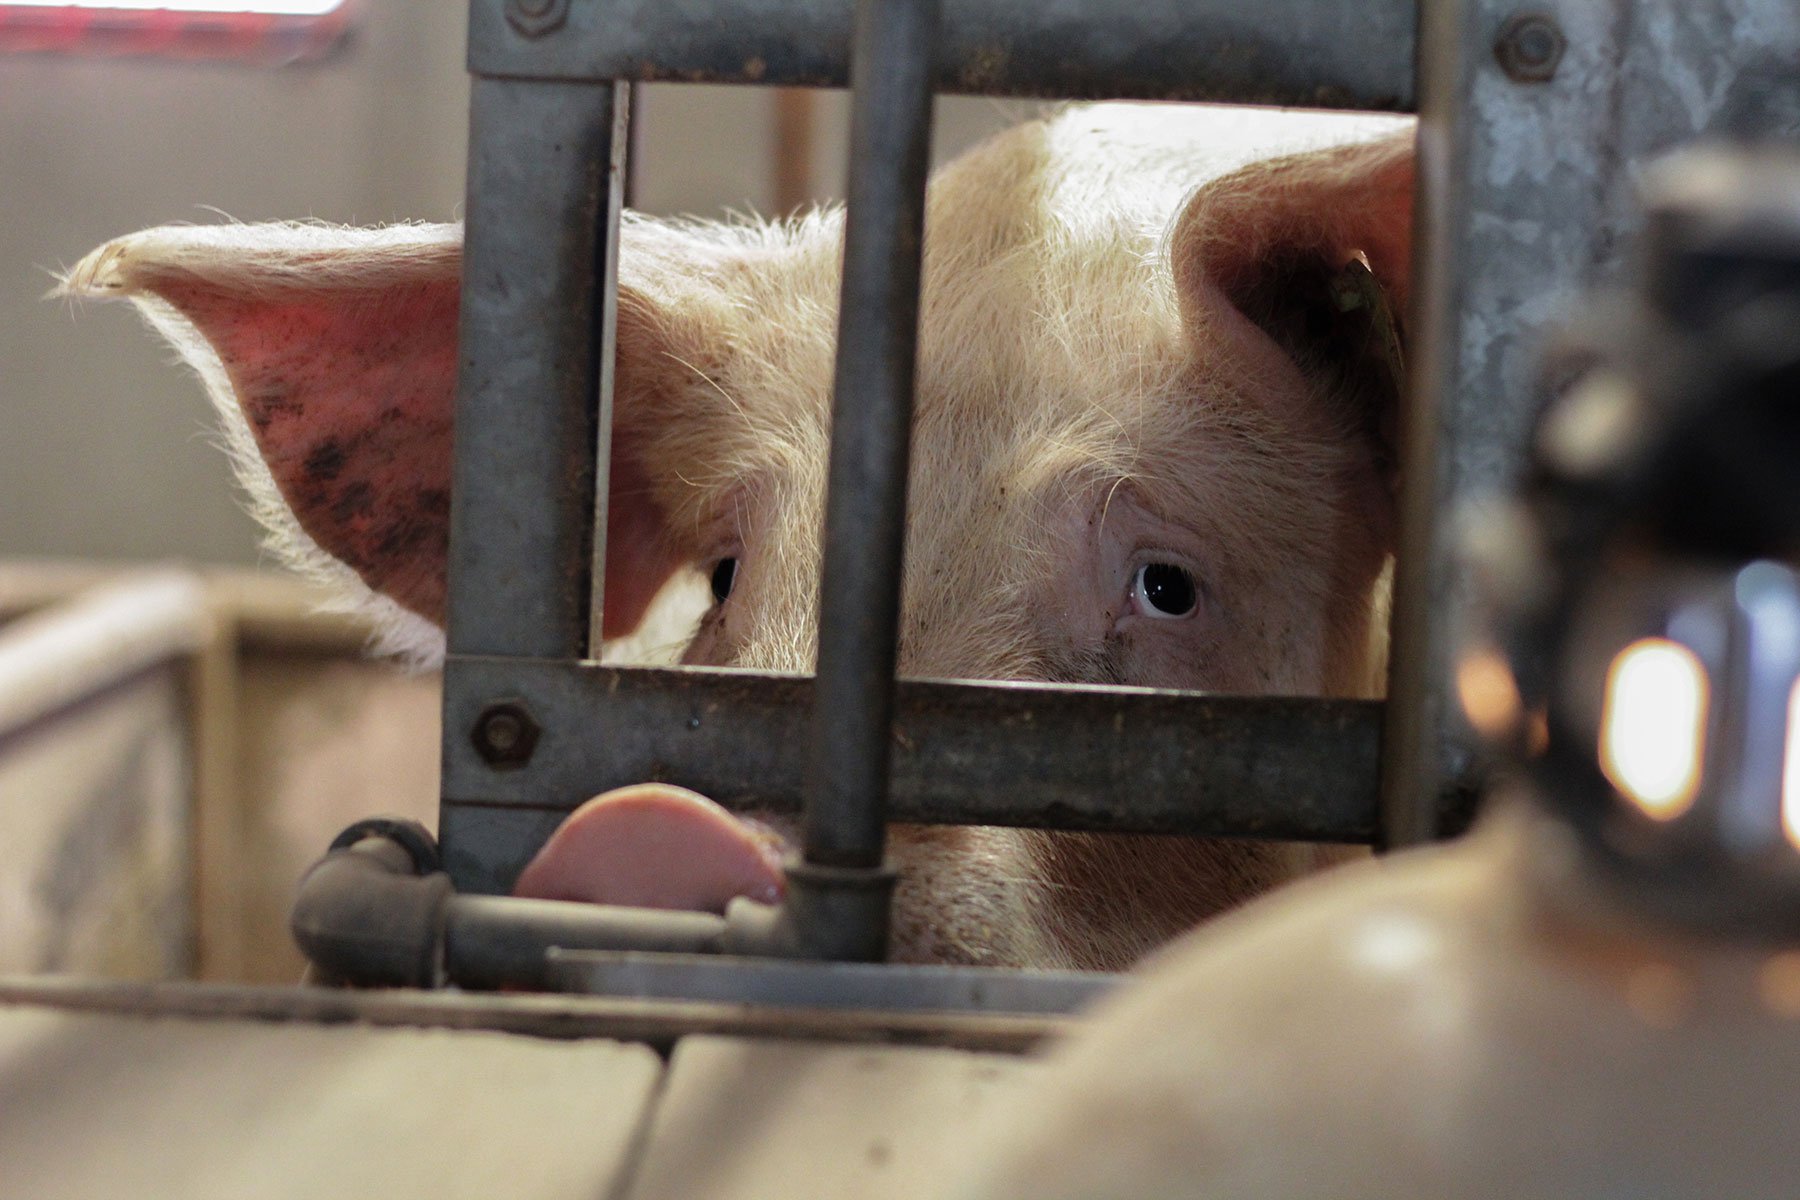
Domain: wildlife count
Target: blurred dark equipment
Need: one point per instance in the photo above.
(1648, 578)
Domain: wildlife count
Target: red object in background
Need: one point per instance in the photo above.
(184, 32)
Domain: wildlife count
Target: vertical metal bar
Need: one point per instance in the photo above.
(484, 848)
(543, 179)
(625, 131)
(1534, 125)
(1494, 249)
(1412, 758)
(865, 519)
(528, 520)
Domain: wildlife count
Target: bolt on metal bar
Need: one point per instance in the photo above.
(865, 517)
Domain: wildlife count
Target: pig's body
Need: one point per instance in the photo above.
(1149, 448)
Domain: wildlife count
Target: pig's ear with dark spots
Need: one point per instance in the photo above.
(1311, 256)
(331, 354)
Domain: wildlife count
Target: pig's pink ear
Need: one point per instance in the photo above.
(332, 356)
(1310, 256)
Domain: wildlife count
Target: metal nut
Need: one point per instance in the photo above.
(535, 18)
(506, 734)
(1530, 47)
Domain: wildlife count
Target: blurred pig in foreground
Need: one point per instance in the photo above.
(1152, 446)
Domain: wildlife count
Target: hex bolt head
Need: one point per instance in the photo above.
(505, 734)
(535, 18)
(1530, 47)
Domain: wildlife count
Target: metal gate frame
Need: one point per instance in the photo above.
(1531, 123)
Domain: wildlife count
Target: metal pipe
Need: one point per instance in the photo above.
(364, 914)
(495, 942)
(865, 518)
(377, 911)
(1513, 222)
(1413, 753)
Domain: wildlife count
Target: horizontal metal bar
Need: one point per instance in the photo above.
(658, 1022)
(1300, 52)
(1093, 758)
(873, 987)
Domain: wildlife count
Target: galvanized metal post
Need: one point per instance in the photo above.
(1534, 125)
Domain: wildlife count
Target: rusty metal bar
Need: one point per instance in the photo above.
(1093, 758)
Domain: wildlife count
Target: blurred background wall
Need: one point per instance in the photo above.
(105, 448)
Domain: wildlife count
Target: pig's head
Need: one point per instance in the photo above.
(1151, 447)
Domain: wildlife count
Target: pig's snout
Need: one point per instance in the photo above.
(656, 846)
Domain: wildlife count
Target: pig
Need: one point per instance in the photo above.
(1150, 447)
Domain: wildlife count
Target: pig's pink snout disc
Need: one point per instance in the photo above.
(653, 845)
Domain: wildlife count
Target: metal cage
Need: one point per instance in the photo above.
(1530, 123)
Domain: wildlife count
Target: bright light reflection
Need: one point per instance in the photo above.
(278, 8)
(1489, 694)
(1790, 771)
(1653, 727)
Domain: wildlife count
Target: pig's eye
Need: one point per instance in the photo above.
(1164, 590)
(724, 574)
